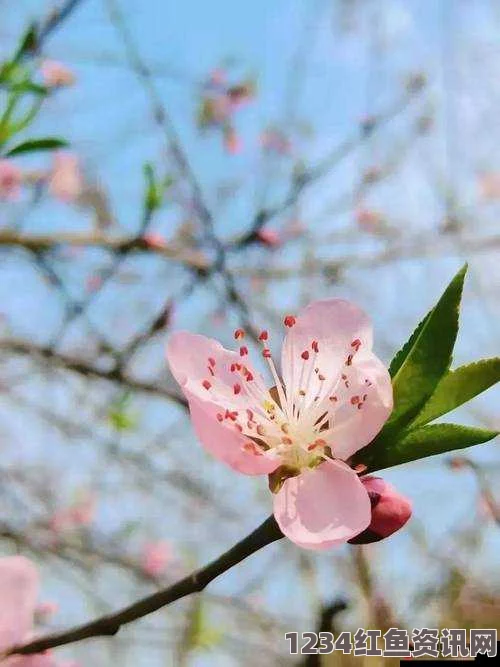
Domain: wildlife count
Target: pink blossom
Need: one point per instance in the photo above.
(390, 511)
(269, 237)
(10, 181)
(155, 558)
(65, 181)
(333, 399)
(489, 185)
(56, 75)
(80, 513)
(368, 219)
(19, 584)
(275, 141)
(155, 240)
(232, 141)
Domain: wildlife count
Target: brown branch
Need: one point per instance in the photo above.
(86, 369)
(42, 242)
(109, 624)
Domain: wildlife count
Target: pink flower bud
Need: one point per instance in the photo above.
(155, 240)
(10, 181)
(56, 75)
(269, 237)
(155, 557)
(232, 142)
(390, 511)
(65, 181)
(368, 219)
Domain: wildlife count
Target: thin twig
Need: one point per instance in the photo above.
(109, 624)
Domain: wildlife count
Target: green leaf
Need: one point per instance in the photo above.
(153, 195)
(430, 440)
(459, 386)
(424, 359)
(33, 145)
(400, 356)
(28, 43)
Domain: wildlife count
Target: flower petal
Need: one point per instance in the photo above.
(323, 507)
(225, 443)
(362, 407)
(334, 324)
(190, 356)
(18, 596)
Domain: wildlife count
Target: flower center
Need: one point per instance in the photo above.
(294, 422)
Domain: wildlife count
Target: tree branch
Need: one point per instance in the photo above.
(110, 624)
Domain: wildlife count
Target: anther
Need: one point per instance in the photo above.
(243, 351)
(263, 335)
(266, 353)
(314, 346)
(305, 355)
(206, 384)
(239, 333)
(237, 388)
(211, 362)
(289, 321)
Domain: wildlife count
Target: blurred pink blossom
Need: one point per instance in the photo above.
(155, 557)
(80, 513)
(275, 141)
(10, 181)
(232, 141)
(269, 238)
(489, 185)
(155, 240)
(93, 283)
(19, 584)
(368, 219)
(65, 180)
(56, 75)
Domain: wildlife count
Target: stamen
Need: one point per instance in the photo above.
(289, 321)
(239, 333)
(263, 335)
(314, 346)
(243, 351)
(266, 353)
(305, 355)
(237, 388)
(206, 384)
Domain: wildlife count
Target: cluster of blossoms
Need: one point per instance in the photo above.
(19, 584)
(332, 398)
(219, 102)
(64, 179)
